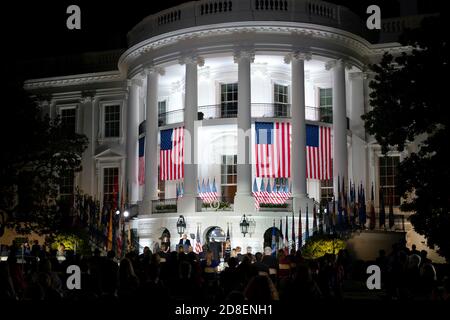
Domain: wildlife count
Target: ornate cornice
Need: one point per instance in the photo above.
(350, 40)
(72, 80)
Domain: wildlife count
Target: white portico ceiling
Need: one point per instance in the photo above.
(175, 72)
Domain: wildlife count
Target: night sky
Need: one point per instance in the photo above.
(37, 29)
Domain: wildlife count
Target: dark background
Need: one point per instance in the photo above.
(36, 30)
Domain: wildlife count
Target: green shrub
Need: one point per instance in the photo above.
(317, 247)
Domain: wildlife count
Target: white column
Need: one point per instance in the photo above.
(298, 124)
(151, 138)
(244, 201)
(132, 140)
(188, 201)
(357, 103)
(87, 175)
(340, 158)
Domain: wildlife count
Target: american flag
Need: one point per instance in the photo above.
(256, 194)
(318, 152)
(198, 244)
(172, 154)
(272, 149)
(207, 193)
(141, 173)
(267, 194)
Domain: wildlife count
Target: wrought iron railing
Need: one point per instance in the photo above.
(271, 110)
(164, 206)
(218, 111)
(170, 117)
(259, 110)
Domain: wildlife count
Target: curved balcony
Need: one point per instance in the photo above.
(259, 110)
(208, 12)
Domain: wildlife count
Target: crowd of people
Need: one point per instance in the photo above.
(184, 275)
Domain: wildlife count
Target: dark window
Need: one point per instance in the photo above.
(326, 105)
(326, 191)
(110, 185)
(388, 179)
(162, 113)
(66, 187)
(112, 121)
(229, 100)
(68, 120)
(280, 97)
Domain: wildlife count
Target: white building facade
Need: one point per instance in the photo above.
(236, 63)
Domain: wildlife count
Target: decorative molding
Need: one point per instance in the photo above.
(338, 62)
(72, 80)
(357, 43)
(134, 82)
(151, 68)
(192, 58)
(244, 54)
(297, 55)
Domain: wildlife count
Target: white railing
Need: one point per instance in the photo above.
(197, 13)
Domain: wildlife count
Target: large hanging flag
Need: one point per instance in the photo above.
(141, 171)
(198, 244)
(272, 149)
(318, 152)
(172, 154)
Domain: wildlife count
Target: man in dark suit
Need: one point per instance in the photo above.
(185, 242)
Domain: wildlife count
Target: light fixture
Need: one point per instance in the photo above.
(117, 212)
(244, 225)
(181, 225)
(126, 213)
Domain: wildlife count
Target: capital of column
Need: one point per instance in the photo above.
(192, 59)
(151, 68)
(244, 53)
(134, 82)
(356, 75)
(87, 96)
(338, 62)
(297, 55)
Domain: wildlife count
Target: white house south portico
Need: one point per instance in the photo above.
(212, 75)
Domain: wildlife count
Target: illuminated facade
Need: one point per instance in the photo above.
(216, 68)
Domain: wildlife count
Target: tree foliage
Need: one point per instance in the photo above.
(409, 108)
(37, 152)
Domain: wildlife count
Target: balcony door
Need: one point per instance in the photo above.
(228, 170)
(280, 97)
(228, 100)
